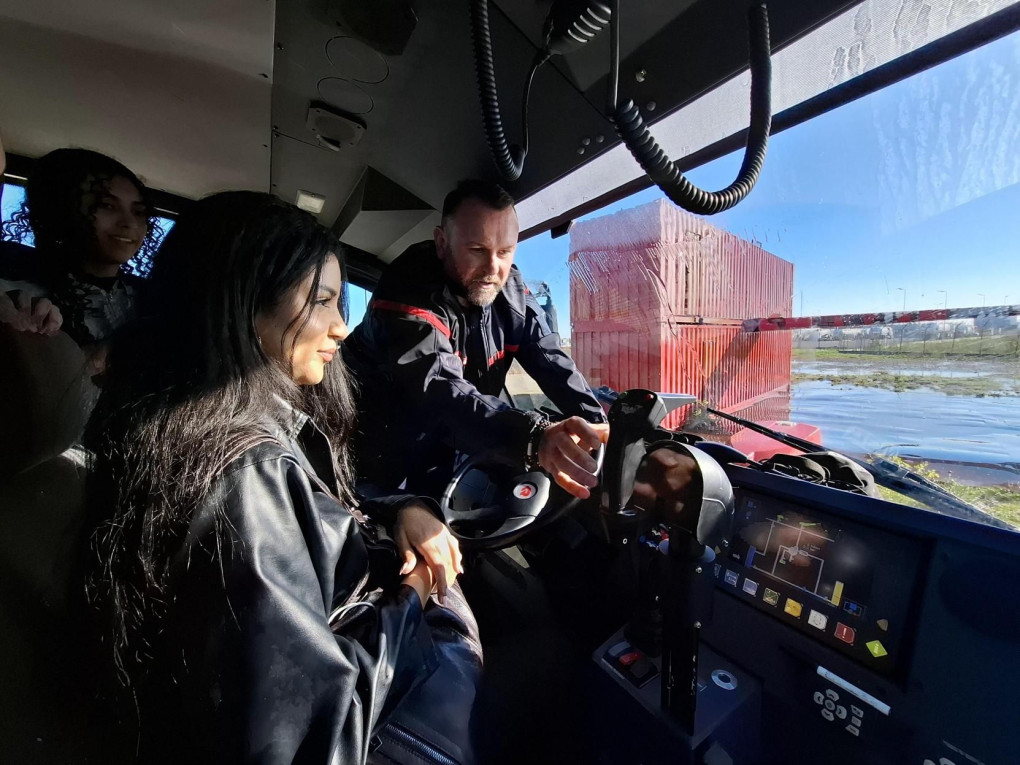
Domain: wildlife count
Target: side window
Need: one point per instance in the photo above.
(14, 195)
(10, 203)
(357, 304)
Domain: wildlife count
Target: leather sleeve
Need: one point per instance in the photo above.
(263, 677)
(383, 506)
(419, 358)
(542, 357)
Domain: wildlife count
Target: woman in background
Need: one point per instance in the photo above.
(89, 216)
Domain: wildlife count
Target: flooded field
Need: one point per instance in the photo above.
(960, 416)
(959, 377)
(963, 417)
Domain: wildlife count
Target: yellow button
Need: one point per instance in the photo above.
(792, 607)
(876, 648)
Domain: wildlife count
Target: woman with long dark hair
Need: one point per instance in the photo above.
(89, 216)
(250, 613)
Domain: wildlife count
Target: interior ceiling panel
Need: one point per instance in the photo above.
(179, 92)
(323, 173)
(423, 128)
(641, 21)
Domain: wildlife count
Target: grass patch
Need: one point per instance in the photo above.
(953, 386)
(1003, 502)
(998, 346)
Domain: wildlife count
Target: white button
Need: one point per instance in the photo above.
(830, 704)
(819, 698)
(927, 762)
(855, 721)
(827, 715)
(841, 712)
(832, 695)
(856, 711)
(854, 729)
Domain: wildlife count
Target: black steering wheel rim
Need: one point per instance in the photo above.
(513, 504)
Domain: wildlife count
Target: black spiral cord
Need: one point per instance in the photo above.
(509, 158)
(661, 170)
(579, 22)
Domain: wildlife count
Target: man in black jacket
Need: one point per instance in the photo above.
(432, 354)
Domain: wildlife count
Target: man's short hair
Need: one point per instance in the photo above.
(489, 194)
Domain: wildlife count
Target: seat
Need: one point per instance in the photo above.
(44, 401)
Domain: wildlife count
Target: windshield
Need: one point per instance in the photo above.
(901, 202)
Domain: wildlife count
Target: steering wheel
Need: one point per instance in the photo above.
(490, 503)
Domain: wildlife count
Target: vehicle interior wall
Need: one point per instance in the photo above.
(180, 92)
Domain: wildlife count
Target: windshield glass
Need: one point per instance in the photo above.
(901, 202)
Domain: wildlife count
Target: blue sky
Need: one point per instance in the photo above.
(914, 187)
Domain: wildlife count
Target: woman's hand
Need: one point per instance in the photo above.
(424, 539)
(27, 315)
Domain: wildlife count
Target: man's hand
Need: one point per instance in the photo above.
(565, 453)
(663, 483)
(17, 311)
(423, 539)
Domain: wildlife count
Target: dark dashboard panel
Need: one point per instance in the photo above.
(850, 586)
(944, 692)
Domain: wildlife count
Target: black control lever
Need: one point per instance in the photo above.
(633, 426)
(633, 419)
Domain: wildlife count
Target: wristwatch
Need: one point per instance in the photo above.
(534, 442)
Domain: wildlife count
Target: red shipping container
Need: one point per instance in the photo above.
(656, 297)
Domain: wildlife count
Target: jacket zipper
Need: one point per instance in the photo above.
(422, 749)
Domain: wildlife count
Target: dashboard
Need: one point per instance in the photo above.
(878, 633)
(849, 586)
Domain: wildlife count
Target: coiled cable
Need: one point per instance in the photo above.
(663, 172)
(508, 158)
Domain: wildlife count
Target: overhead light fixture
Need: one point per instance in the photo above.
(313, 203)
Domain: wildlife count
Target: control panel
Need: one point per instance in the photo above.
(726, 721)
(847, 585)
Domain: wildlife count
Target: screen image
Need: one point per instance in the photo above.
(843, 583)
(825, 562)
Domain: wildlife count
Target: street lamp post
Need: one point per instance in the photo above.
(981, 332)
(903, 327)
(945, 307)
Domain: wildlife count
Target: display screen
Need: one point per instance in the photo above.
(846, 584)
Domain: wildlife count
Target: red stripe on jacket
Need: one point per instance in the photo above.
(500, 354)
(410, 310)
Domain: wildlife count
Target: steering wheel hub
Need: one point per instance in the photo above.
(490, 503)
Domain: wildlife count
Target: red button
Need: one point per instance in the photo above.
(629, 658)
(844, 633)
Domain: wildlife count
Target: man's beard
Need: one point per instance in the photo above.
(482, 294)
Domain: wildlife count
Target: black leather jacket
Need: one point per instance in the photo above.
(427, 364)
(249, 669)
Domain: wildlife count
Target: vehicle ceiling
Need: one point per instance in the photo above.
(204, 95)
